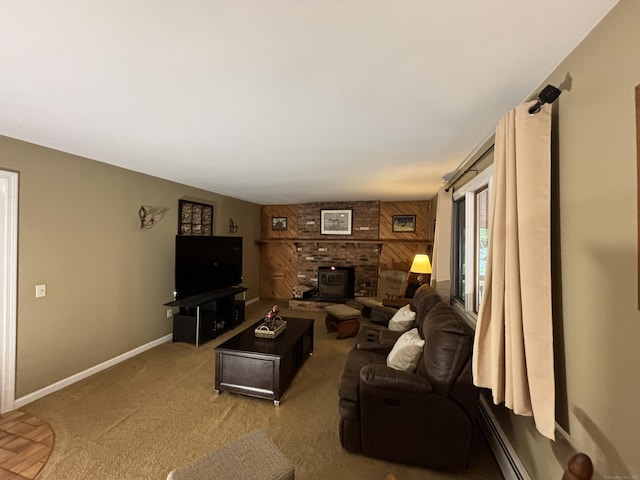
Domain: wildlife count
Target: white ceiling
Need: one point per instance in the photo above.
(279, 101)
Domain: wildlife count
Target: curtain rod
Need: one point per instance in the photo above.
(460, 174)
(549, 94)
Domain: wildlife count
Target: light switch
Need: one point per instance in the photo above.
(41, 290)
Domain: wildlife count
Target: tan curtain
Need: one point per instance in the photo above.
(513, 349)
(441, 261)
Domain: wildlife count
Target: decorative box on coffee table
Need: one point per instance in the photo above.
(270, 331)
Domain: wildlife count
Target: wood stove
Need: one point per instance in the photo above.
(336, 283)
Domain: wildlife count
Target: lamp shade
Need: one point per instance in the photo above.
(421, 264)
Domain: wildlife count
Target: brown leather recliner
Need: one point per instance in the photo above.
(423, 418)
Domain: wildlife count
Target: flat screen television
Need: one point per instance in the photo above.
(205, 264)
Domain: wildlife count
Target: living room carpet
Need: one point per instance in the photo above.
(158, 410)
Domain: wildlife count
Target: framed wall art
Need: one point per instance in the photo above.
(336, 222)
(403, 223)
(195, 219)
(279, 223)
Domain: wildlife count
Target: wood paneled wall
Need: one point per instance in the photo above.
(278, 261)
(278, 270)
(269, 212)
(424, 223)
(398, 256)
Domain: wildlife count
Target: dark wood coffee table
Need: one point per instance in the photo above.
(262, 367)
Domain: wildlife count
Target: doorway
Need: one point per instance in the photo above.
(8, 287)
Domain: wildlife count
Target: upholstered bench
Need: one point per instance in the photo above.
(252, 456)
(343, 319)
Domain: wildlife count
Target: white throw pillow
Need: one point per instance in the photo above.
(402, 319)
(406, 352)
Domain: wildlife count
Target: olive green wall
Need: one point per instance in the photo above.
(596, 289)
(107, 280)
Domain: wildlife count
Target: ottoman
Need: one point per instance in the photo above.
(250, 457)
(342, 319)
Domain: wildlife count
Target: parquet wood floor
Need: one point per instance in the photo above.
(25, 445)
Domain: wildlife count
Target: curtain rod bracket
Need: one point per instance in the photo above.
(549, 94)
(457, 175)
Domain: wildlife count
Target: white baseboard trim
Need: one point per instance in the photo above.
(510, 464)
(43, 392)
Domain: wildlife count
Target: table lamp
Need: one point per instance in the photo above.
(420, 265)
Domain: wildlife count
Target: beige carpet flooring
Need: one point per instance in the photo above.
(143, 417)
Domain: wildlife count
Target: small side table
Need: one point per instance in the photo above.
(342, 319)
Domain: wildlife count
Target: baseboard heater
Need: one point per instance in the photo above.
(510, 464)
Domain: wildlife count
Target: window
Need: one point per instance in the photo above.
(471, 240)
(458, 250)
(481, 243)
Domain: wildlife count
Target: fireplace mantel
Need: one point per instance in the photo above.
(340, 240)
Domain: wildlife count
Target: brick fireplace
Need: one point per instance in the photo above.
(327, 250)
(362, 258)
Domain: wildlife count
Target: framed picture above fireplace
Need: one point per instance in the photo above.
(335, 222)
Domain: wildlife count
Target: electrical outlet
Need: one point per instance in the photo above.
(41, 290)
(169, 312)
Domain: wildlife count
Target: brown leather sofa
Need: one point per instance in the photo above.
(424, 417)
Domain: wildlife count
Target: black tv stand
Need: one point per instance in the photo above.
(203, 317)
